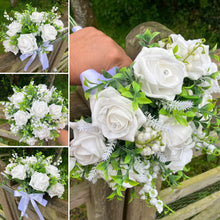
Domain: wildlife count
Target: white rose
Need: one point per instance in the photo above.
(37, 17)
(55, 111)
(114, 115)
(31, 160)
(43, 133)
(17, 98)
(178, 158)
(88, 144)
(8, 168)
(27, 43)
(53, 171)
(19, 172)
(39, 181)
(178, 136)
(56, 190)
(59, 23)
(48, 32)
(160, 72)
(199, 62)
(14, 28)
(18, 15)
(9, 47)
(21, 118)
(39, 109)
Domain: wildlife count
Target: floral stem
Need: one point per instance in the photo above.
(72, 21)
(20, 218)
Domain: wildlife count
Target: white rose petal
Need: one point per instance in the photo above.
(8, 167)
(14, 28)
(87, 146)
(31, 141)
(160, 72)
(43, 133)
(54, 171)
(114, 115)
(17, 98)
(37, 16)
(39, 109)
(27, 43)
(39, 181)
(49, 32)
(21, 118)
(199, 63)
(56, 190)
(59, 23)
(19, 172)
(9, 47)
(55, 111)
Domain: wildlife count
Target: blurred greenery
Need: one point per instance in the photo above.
(41, 5)
(46, 151)
(192, 19)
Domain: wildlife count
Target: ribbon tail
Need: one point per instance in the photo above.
(37, 209)
(44, 60)
(30, 61)
(76, 28)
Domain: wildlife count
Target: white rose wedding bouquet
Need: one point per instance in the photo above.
(148, 118)
(36, 175)
(31, 33)
(35, 113)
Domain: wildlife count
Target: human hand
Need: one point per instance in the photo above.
(92, 49)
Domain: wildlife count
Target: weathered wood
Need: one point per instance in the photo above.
(79, 195)
(8, 134)
(191, 185)
(99, 208)
(194, 208)
(210, 213)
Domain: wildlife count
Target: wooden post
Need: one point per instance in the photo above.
(99, 208)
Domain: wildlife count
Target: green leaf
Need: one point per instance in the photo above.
(118, 179)
(135, 105)
(136, 86)
(140, 36)
(147, 35)
(127, 158)
(127, 94)
(133, 183)
(144, 100)
(115, 154)
(181, 120)
(115, 164)
(175, 49)
(101, 166)
(154, 35)
(118, 76)
(163, 111)
(214, 75)
(106, 74)
(190, 114)
(87, 95)
(111, 196)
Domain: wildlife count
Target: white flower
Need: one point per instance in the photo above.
(55, 111)
(87, 146)
(48, 32)
(54, 171)
(59, 23)
(31, 141)
(43, 133)
(21, 118)
(72, 162)
(39, 181)
(178, 136)
(18, 16)
(27, 43)
(39, 109)
(19, 172)
(37, 17)
(56, 190)
(199, 62)
(8, 168)
(14, 28)
(31, 160)
(160, 72)
(17, 98)
(9, 47)
(114, 115)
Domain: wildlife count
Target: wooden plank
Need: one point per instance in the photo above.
(8, 134)
(191, 185)
(210, 213)
(99, 208)
(79, 195)
(194, 208)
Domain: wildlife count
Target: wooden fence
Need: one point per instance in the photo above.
(55, 209)
(58, 58)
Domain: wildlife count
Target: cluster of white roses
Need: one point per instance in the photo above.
(35, 113)
(36, 174)
(167, 138)
(31, 30)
